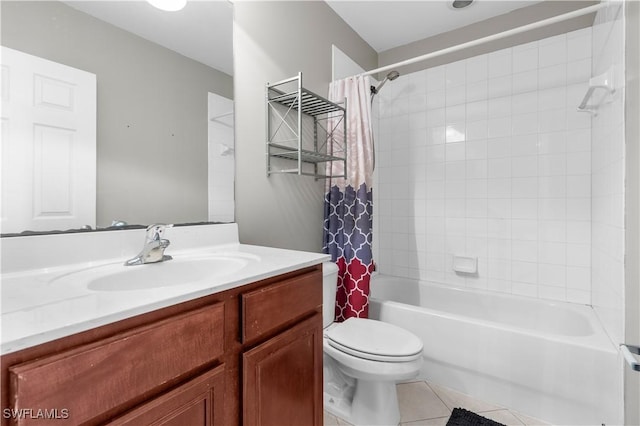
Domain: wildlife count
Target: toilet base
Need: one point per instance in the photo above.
(373, 403)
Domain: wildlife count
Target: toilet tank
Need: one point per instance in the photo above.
(329, 285)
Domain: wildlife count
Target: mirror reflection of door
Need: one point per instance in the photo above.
(48, 144)
(221, 159)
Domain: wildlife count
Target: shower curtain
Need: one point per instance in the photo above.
(348, 201)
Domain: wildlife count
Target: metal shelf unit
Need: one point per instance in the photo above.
(288, 107)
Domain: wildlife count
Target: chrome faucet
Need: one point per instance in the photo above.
(154, 246)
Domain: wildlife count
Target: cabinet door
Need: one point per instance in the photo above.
(198, 402)
(282, 378)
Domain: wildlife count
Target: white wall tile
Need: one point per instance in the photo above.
(499, 187)
(553, 253)
(476, 130)
(436, 117)
(499, 147)
(499, 86)
(552, 230)
(552, 293)
(552, 76)
(552, 143)
(524, 229)
(524, 145)
(499, 107)
(456, 95)
(499, 127)
(524, 272)
(476, 169)
(499, 167)
(524, 187)
(499, 228)
(524, 124)
(455, 114)
(525, 81)
(436, 99)
(477, 68)
(524, 166)
(525, 60)
(456, 73)
(524, 102)
(524, 208)
(553, 52)
(455, 132)
(500, 63)
(499, 248)
(552, 187)
(436, 79)
(525, 251)
(477, 91)
(552, 275)
(477, 110)
(579, 71)
(477, 188)
(579, 47)
(487, 156)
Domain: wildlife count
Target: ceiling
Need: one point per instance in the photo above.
(388, 24)
(203, 29)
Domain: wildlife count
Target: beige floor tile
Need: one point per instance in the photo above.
(343, 422)
(455, 399)
(438, 421)
(502, 416)
(330, 419)
(530, 421)
(418, 402)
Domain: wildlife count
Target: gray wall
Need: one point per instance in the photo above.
(632, 202)
(516, 18)
(275, 40)
(152, 110)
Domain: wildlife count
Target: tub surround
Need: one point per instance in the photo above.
(487, 157)
(35, 311)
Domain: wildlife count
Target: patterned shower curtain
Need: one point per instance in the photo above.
(348, 201)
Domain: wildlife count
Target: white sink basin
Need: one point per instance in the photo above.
(178, 271)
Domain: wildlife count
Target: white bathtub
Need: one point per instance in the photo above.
(549, 360)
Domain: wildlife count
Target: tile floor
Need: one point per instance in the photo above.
(427, 404)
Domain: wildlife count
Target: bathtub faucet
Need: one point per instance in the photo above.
(154, 246)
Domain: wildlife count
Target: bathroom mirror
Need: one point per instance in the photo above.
(164, 148)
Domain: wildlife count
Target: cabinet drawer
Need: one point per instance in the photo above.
(102, 377)
(266, 309)
(199, 402)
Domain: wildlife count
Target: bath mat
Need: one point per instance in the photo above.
(462, 417)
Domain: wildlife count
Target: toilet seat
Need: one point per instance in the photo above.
(374, 340)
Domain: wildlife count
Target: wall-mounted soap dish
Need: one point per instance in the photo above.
(465, 264)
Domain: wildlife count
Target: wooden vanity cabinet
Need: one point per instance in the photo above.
(282, 375)
(250, 355)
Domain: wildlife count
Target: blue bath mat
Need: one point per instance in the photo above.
(462, 417)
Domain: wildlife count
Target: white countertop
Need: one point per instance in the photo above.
(36, 308)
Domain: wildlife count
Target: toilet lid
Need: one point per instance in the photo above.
(374, 340)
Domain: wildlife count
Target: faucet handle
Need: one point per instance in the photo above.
(155, 231)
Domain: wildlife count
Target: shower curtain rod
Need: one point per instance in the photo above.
(513, 31)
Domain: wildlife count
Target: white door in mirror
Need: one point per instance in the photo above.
(48, 144)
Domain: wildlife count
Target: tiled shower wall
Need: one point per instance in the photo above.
(488, 158)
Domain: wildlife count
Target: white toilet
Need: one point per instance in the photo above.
(363, 360)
